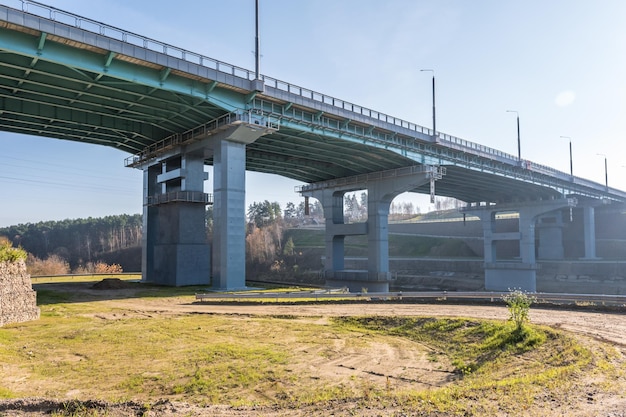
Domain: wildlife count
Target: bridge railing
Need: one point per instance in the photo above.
(179, 196)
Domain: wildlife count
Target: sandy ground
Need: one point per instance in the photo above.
(604, 326)
(607, 327)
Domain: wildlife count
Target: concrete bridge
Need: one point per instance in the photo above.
(67, 77)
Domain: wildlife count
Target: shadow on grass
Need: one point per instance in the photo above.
(81, 292)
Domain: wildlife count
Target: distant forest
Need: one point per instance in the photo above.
(75, 244)
(78, 241)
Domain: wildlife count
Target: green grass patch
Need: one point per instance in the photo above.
(494, 360)
(101, 350)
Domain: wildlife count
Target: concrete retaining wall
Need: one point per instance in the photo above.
(578, 277)
(18, 301)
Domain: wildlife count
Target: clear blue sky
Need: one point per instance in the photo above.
(560, 63)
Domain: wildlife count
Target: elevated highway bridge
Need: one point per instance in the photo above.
(64, 76)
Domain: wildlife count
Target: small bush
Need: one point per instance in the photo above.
(52, 265)
(99, 268)
(10, 254)
(518, 303)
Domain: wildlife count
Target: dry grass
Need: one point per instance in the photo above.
(96, 350)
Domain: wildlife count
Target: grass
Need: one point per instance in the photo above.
(97, 350)
(495, 362)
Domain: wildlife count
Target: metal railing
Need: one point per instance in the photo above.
(179, 197)
(401, 295)
(202, 131)
(358, 180)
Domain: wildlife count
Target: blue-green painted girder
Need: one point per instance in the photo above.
(65, 82)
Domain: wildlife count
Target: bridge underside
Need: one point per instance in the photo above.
(98, 91)
(65, 82)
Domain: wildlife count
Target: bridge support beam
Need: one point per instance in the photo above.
(589, 231)
(229, 213)
(175, 251)
(550, 231)
(502, 275)
(175, 248)
(382, 188)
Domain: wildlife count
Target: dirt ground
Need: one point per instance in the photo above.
(380, 361)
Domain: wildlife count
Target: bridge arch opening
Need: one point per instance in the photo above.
(355, 206)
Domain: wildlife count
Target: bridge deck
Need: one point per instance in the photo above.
(69, 77)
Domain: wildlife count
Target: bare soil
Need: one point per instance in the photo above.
(376, 360)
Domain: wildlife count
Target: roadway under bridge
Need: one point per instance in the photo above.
(65, 76)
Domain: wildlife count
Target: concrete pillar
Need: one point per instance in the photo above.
(504, 275)
(378, 236)
(527, 236)
(149, 232)
(175, 250)
(589, 231)
(488, 220)
(550, 231)
(229, 213)
(382, 187)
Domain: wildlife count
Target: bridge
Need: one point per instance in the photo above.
(64, 76)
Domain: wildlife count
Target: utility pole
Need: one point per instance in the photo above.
(257, 44)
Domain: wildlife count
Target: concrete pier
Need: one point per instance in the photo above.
(521, 273)
(382, 188)
(175, 248)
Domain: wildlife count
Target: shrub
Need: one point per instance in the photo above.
(10, 254)
(518, 303)
(52, 265)
(99, 268)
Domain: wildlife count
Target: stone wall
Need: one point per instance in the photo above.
(18, 301)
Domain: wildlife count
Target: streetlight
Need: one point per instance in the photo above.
(606, 172)
(434, 117)
(571, 165)
(519, 145)
(257, 43)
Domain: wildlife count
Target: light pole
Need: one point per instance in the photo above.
(606, 172)
(571, 164)
(519, 144)
(434, 117)
(257, 43)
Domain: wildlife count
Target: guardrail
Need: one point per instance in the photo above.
(401, 295)
(179, 196)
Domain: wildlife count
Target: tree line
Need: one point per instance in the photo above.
(77, 241)
(83, 243)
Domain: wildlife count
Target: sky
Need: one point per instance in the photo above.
(560, 64)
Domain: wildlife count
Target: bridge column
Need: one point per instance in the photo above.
(175, 251)
(229, 211)
(589, 231)
(501, 275)
(382, 188)
(229, 205)
(550, 230)
(335, 233)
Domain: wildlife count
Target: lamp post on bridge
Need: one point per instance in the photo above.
(571, 164)
(606, 172)
(257, 43)
(519, 143)
(434, 117)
